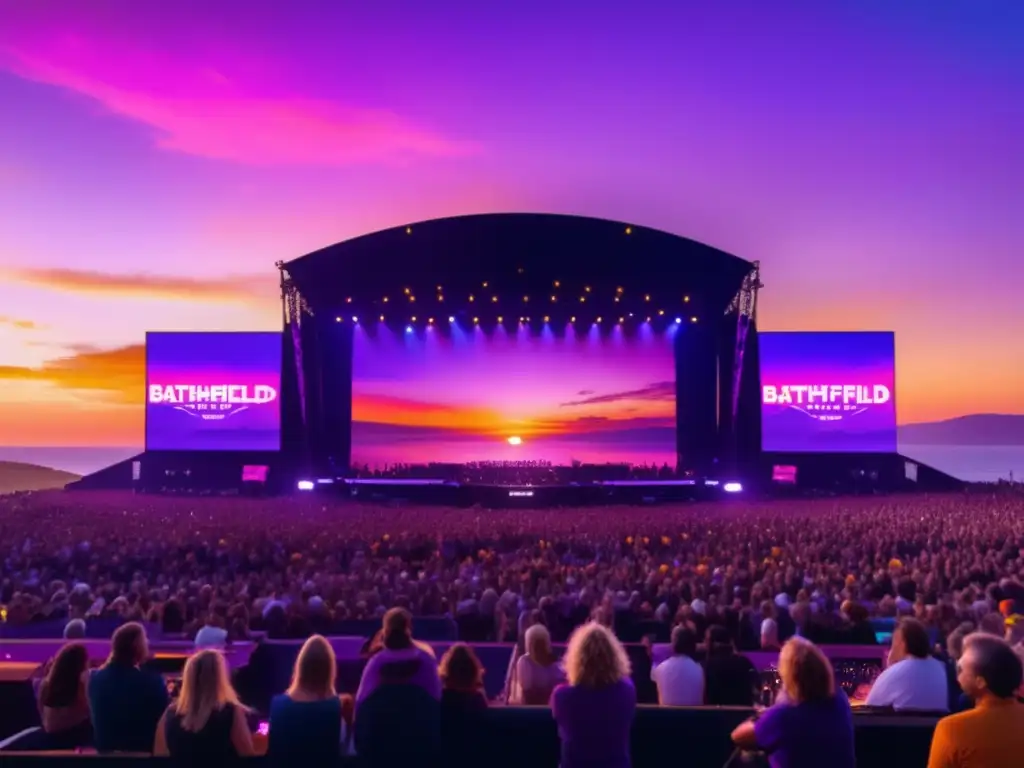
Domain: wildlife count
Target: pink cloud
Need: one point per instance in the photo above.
(200, 110)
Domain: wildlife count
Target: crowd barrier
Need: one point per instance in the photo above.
(661, 737)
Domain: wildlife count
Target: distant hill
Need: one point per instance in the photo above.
(977, 429)
(15, 476)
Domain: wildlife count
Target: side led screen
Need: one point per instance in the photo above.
(460, 395)
(828, 392)
(213, 391)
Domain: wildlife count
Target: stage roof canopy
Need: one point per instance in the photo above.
(518, 263)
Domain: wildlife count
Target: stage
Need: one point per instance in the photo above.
(455, 494)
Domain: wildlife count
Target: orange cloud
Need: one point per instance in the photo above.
(119, 375)
(220, 118)
(244, 289)
(60, 424)
(20, 325)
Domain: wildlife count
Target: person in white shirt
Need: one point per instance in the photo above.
(913, 679)
(679, 678)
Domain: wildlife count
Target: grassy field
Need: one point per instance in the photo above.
(30, 477)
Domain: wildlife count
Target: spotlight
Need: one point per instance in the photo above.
(554, 299)
(440, 299)
(305, 485)
(485, 283)
(586, 289)
(408, 329)
(430, 320)
(686, 299)
(547, 319)
(526, 299)
(385, 299)
(348, 300)
(500, 319)
(476, 320)
(472, 297)
(582, 299)
(732, 487)
(599, 319)
(408, 230)
(557, 284)
(407, 291)
(616, 299)
(661, 313)
(451, 319)
(412, 319)
(679, 319)
(337, 319)
(622, 320)
(572, 319)
(440, 288)
(382, 318)
(522, 319)
(629, 230)
(412, 299)
(648, 319)
(494, 299)
(647, 297)
(619, 290)
(355, 319)
(693, 319)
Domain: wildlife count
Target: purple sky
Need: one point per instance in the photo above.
(157, 158)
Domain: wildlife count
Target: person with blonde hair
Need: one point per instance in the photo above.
(595, 710)
(538, 672)
(309, 723)
(813, 724)
(207, 722)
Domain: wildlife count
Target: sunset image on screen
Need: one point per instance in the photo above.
(433, 397)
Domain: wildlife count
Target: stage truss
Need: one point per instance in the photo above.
(744, 305)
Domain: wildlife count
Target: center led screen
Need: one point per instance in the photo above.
(463, 395)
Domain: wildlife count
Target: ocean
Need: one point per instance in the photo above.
(974, 463)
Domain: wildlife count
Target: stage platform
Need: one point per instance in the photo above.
(448, 493)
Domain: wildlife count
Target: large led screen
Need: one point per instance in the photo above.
(213, 391)
(828, 392)
(454, 395)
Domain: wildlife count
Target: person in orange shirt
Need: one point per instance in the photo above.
(992, 734)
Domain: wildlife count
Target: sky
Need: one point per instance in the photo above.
(156, 159)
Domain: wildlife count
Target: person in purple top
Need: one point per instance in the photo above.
(594, 712)
(401, 660)
(814, 727)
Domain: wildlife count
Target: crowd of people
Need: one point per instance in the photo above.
(763, 571)
(788, 576)
(413, 709)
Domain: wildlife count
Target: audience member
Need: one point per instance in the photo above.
(126, 701)
(731, 680)
(679, 678)
(462, 680)
(398, 712)
(207, 723)
(991, 735)
(537, 671)
(74, 630)
(309, 721)
(912, 680)
(595, 710)
(400, 660)
(63, 700)
(814, 725)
